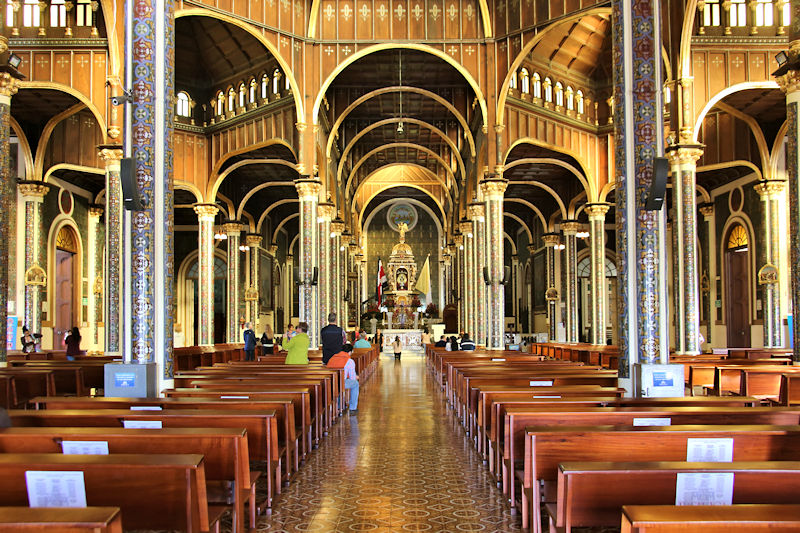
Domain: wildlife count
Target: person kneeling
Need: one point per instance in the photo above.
(343, 360)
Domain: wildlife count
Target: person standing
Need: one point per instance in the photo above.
(397, 346)
(296, 345)
(343, 360)
(28, 342)
(332, 337)
(426, 337)
(73, 344)
(249, 342)
(267, 341)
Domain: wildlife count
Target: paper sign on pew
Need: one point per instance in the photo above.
(652, 421)
(547, 383)
(498, 359)
(234, 397)
(145, 408)
(84, 447)
(55, 489)
(141, 424)
(546, 397)
(704, 488)
(709, 450)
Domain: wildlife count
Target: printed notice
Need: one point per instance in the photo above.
(234, 397)
(652, 421)
(662, 379)
(499, 359)
(709, 450)
(546, 397)
(124, 379)
(55, 489)
(710, 488)
(84, 447)
(141, 424)
(145, 408)
(541, 383)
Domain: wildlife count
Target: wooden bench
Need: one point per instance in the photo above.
(591, 494)
(790, 390)
(710, 518)
(61, 520)
(154, 491)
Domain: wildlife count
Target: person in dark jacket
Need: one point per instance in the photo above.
(442, 342)
(466, 343)
(332, 337)
(73, 343)
(249, 337)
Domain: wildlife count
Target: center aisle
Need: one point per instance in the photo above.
(401, 464)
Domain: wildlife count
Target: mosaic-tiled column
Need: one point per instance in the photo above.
(638, 139)
(9, 82)
(468, 294)
(530, 296)
(597, 236)
(152, 75)
(771, 193)
(33, 193)
(338, 292)
(95, 212)
(551, 241)
(458, 238)
(683, 162)
(112, 274)
(233, 230)
(476, 211)
(492, 191)
(205, 272)
(347, 285)
(325, 213)
(308, 192)
(289, 292)
(515, 287)
(253, 242)
(707, 210)
(570, 229)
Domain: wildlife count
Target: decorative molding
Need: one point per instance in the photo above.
(206, 211)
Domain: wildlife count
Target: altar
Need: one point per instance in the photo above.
(410, 338)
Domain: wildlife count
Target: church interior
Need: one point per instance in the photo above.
(601, 196)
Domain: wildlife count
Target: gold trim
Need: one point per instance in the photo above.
(206, 211)
(35, 276)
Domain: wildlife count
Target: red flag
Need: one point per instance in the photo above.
(382, 281)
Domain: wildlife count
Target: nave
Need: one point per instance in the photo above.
(401, 464)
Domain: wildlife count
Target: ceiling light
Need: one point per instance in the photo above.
(244, 248)
(400, 126)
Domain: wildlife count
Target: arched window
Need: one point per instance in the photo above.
(58, 14)
(737, 240)
(559, 94)
(764, 13)
(570, 99)
(242, 94)
(182, 108)
(30, 14)
(548, 90)
(525, 81)
(276, 82)
(738, 13)
(253, 89)
(220, 103)
(84, 13)
(231, 99)
(264, 87)
(537, 85)
(711, 13)
(579, 101)
(512, 84)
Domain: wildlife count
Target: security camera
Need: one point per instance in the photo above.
(124, 98)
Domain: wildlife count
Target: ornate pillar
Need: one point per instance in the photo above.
(771, 194)
(570, 229)
(530, 296)
(95, 278)
(683, 160)
(253, 241)
(470, 278)
(232, 230)
(459, 280)
(308, 192)
(515, 290)
(338, 288)
(597, 234)
(551, 241)
(9, 83)
(112, 319)
(205, 272)
(33, 193)
(325, 214)
(348, 286)
(476, 214)
(638, 139)
(707, 210)
(150, 69)
(492, 190)
(288, 293)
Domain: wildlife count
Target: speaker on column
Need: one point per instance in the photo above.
(486, 276)
(658, 187)
(130, 189)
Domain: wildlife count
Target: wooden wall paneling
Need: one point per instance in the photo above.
(344, 19)
(737, 67)
(726, 142)
(719, 80)
(299, 24)
(711, 130)
(179, 156)
(82, 65)
(383, 19)
(528, 13)
(700, 86)
(255, 10)
(224, 5)
(365, 19)
(513, 16)
(41, 66)
(416, 19)
(62, 67)
(272, 13)
(98, 95)
(542, 10)
(757, 63)
(556, 8)
(400, 13)
(572, 6)
(499, 16)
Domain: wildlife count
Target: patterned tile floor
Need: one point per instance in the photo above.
(401, 464)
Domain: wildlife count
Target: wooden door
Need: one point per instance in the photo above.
(64, 295)
(737, 298)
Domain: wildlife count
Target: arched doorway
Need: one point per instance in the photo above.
(220, 287)
(585, 298)
(737, 287)
(67, 283)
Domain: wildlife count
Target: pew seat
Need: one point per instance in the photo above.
(61, 520)
(710, 518)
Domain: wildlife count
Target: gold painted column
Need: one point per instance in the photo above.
(308, 192)
(476, 214)
(325, 213)
(112, 318)
(599, 292)
(470, 278)
(551, 242)
(95, 279)
(346, 268)
(232, 230)
(771, 193)
(531, 296)
(205, 272)
(33, 193)
(707, 210)
(253, 242)
(492, 190)
(570, 228)
(458, 238)
(338, 290)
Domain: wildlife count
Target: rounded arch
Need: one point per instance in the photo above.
(562, 208)
(260, 187)
(508, 238)
(98, 116)
(728, 164)
(743, 220)
(365, 223)
(181, 185)
(217, 177)
(270, 208)
(183, 270)
(606, 190)
(530, 206)
(408, 46)
(283, 223)
(24, 147)
(252, 30)
(58, 223)
(390, 185)
(727, 92)
(68, 166)
(572, 211)
(521, 222)
(582, 172)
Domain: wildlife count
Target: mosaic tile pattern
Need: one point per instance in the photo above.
(402, 464)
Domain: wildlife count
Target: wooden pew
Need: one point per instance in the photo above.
(25, 383)
(710, 518)
(61, 520)
(790, 390)
(591, 494)
(154, 491)
(225, 451)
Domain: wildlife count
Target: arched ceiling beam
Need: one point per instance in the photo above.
(24, 146)
(101, 123)
(217, 176)
(44, 139)
(392, 185)
(530, 206)
(260, 187)
(265, 214)
(283, 223)
(547, 188)
(522, 223)
(755, 129)
(712, 102)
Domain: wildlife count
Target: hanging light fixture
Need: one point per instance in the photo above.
(219, 235)
(400, 75)
(243, 247)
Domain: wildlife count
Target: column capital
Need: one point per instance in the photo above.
(498, 128)
(326, 211)
(307, 188)
(346, 238)
(33, 190)
(597, 211)
(514, 259)
(458, 239)
(9, 83)
(446, 259)
(253, 240)
(273, 249)
(532, 249)
(232, 227)
(337, 226)
(768, 188)
(354, 249)
(493, 188)
(206, 211)
(301, 126)
(570, 227)
(684, 153)
(110, 153)
(475, 211)
(551, 239)
(466, 227)
(96, 210)
(789, 82)
(707, 210)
